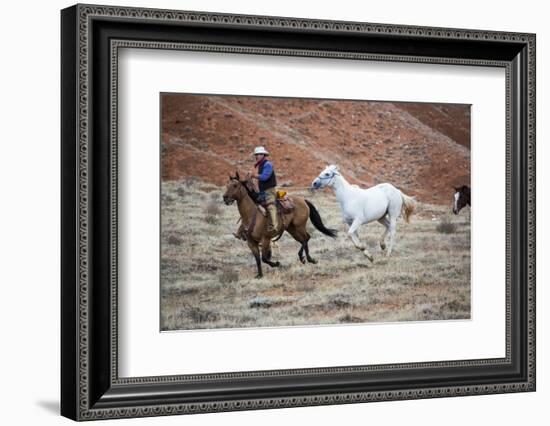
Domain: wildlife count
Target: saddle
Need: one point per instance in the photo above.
(284, 203)
(284, 206)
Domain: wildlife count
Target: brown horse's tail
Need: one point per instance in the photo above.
(315, 218)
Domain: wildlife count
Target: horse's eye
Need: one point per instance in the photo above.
(326, 174)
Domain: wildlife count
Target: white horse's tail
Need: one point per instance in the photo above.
(408, 207)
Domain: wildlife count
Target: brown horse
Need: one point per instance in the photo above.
(254, 222)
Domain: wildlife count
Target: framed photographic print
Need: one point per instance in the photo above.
(263, 212)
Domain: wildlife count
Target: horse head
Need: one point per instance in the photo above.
(326, 177)
(233, 190)
(461, 198)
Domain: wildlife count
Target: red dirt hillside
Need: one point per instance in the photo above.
(422, 149)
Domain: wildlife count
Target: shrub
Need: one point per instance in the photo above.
(174, 240)
(211, 212)
(191, 181)
(229, 275)
(350, 319)
(338, 302)
(260, 302)
(198, 315)
(445, 226)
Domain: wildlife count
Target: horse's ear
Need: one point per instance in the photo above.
(237, 175)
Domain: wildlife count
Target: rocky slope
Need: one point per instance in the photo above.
(424, 149)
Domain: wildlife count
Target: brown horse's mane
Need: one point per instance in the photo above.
(249, 189)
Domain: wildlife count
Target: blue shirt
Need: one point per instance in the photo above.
(266, 171)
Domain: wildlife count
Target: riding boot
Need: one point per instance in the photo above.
(272, 222)
(241, 233)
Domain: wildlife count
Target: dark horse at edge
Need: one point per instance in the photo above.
(461, 198)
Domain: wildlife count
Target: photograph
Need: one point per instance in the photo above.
(271, 207)
(278, 212)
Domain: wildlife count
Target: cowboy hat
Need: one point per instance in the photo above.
(260, 150)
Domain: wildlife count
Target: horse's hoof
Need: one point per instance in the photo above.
(276, 264)
(259, 276)
(368, 256)
(311, 260)
(383, 246)
(303, 260)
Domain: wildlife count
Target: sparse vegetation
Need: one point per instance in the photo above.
(260, 302)
(174, 240)
(229, 275)
(350, 319)
(211, 212)
(445, 226)
(207, 275)
(200, 316)
(191, 181)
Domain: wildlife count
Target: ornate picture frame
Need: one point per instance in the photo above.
(91, 386)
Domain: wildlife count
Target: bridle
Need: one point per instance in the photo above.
(331, 177)
(231, 200)
(246, 185)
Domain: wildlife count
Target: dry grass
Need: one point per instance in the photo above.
(211, 212)
(446, 226)
(207, 276)
(229, 275)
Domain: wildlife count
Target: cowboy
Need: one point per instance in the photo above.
(267, 181)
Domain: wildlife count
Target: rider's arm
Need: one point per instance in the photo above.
(266, 172)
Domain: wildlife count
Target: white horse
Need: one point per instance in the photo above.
(383, 202)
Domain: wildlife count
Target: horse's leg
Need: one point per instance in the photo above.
(266, 241)
(347, 221)
(268, 253)
(386, 222)
(253, 245)
(394, 210)
(306, 247)
(352, 232)
(298, 236)
(392, 229)
(303, 237)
